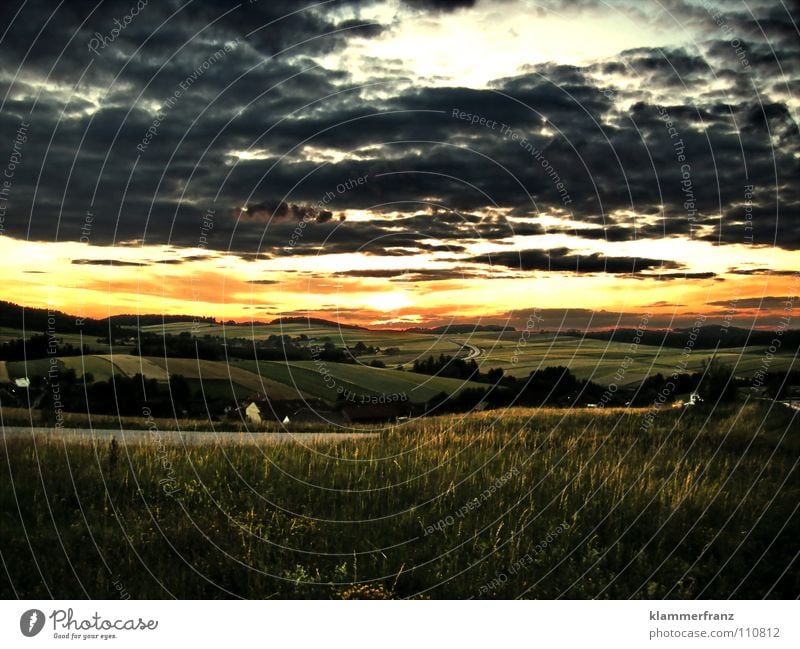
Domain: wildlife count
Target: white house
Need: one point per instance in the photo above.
(253, 413)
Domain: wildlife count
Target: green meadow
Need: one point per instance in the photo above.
(520, 503)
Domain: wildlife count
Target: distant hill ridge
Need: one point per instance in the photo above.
(35, 320)
(708, 337)
(459, 329)
(287, 320)
(149, 319)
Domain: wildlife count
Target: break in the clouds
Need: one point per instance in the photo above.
(475, 137)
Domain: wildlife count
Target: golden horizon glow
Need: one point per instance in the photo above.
(225, 286)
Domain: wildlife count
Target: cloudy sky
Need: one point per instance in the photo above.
(402, 163)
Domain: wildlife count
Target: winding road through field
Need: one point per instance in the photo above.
(474, 350)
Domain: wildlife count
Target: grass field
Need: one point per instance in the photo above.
(411, 345)
(261, 332)
(536, 504)
(219, 371)
(76, 340)
(21, 369)
(101, 368)
(131, 365)
(599, 360)
(587, 358)
(592, 359)
(7, 333)
(517, 355)
(280, 380)
(358, 379)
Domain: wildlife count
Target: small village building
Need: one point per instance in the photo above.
(253, 413)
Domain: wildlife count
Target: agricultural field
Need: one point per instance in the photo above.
(7, 333)
(524, 503)
(22, 369)
(411, 345)
(599, 360)
(75, 339)
(587, 358)
(358, 379)
(100, 367)
(241, 378)
(131, 365)
(219, 371)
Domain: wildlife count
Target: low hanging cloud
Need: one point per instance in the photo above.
(292, 211)
(563, 259)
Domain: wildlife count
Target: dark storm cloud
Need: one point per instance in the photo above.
(666, 277)
(436, 275)
(562, 259)
(411, 275)
(767, 302)
(373, 273)
(666, 67)
(292, 211)
(440, 5)
(107, 262)
(763, 271)
(610, 233)
(556, 137)
(768, 223)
